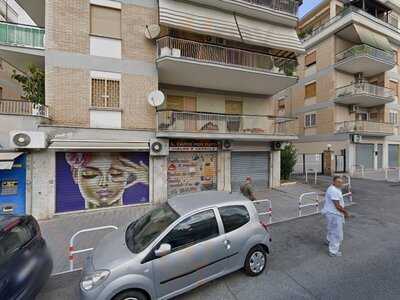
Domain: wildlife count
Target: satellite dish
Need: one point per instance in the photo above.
(156, 98)
(152, 31)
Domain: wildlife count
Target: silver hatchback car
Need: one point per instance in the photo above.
(188, 241)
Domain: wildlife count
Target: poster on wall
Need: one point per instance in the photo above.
(190, 172)
(91, 180)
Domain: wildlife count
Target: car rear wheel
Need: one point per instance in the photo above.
(131, 295)
(256, 261)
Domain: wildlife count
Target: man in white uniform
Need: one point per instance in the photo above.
(335, 213)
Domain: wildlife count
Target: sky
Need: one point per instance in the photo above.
(307, 6)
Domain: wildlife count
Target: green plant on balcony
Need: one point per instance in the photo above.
(305, 32)
(33, 84)
(288, 161)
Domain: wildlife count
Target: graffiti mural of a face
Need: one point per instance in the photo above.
(103, 177)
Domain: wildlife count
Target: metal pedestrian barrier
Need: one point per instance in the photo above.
(71, 249)
(314, 200)
(392, 174)
(312, 171)
(264, 208)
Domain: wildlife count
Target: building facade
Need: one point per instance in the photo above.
(347, 97)
(217, 65)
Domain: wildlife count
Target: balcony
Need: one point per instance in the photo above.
(185, 124)
(364, 94)
(365, 128)
(23, 108)
(365, 59)
(277, 11)
(22, 45)
(187, 63)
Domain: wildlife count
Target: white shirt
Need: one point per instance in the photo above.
(333, 194)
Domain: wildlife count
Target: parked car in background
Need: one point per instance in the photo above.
(25, 262)
(188, 241)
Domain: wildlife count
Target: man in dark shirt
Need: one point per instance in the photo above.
(247, 189)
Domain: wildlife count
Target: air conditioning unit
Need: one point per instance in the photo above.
(277, 146)
(28, 139)
(354, 108)
(226, 145)
(357, 138)
(159, 147)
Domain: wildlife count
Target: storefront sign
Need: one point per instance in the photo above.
(193, 146)
(98, 180)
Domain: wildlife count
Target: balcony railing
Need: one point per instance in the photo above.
(364, 88)
(21, 35)
(209, 123)
(307, 34)
(288, 6)
(365, 127)
(23, 107)
(365, 50)
(209, 53)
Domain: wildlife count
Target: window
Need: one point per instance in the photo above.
(393, 117)
(310, 120)
(281, 104)
(1, 92)
(193, 230)
(234, 217)
(394, 86)
(147, 228)
(311, 90)
(14, 239)
(105, 93)
(105, 21)
(311, 58)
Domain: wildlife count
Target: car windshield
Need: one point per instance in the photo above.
(142, 232)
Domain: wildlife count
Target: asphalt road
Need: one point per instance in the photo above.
(299, 267)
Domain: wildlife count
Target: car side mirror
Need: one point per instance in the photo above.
(163, 250)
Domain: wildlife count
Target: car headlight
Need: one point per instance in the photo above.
(92, 280)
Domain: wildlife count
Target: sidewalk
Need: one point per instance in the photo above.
(59, 230)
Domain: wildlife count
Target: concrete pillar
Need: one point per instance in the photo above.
(159, 179)
(351, 158)
(385, 156)
(275, 169)
(224, 171)
(376, 156)
(43, 184)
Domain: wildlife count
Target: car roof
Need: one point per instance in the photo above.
(186, 203)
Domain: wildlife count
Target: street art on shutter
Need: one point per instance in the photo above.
(93, 180)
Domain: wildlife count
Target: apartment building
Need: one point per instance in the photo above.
(102, 145)
(347, 97)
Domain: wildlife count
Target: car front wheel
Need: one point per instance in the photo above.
(131, 295)
(256, 261)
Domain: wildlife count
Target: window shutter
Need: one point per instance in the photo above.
(311, 58)
(311, 90)
(105, 21)
(394, 86)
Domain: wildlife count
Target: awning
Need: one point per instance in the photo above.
(7, 159)
(185, 16)
(269, 35)
(373, 39)
(96, 145)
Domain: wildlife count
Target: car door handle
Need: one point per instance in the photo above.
(227, 244)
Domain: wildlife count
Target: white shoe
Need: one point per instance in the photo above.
(338, 254)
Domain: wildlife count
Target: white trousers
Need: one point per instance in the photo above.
(334, 231)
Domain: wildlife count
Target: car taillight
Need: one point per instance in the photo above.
(265, 225)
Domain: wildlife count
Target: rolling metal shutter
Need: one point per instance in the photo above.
(365, 155)
(253, 164)
(394, 156)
